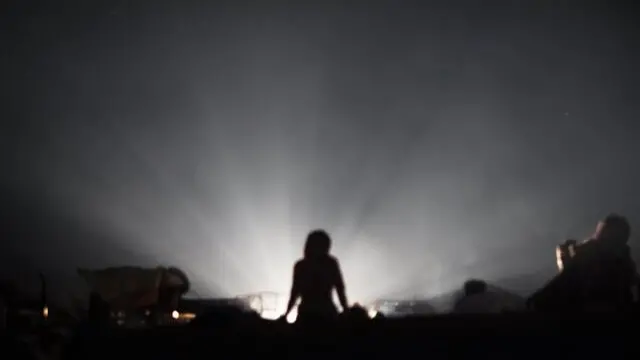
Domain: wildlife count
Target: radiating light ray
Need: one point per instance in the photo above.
(219, 147)
(395, 212)
(265, 234)
(184, 208)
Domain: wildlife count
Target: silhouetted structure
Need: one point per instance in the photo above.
(598, 277)
(128, 290)
(314, 279)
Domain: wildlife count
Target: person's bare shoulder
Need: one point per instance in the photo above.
(334, 265)
(334, 260)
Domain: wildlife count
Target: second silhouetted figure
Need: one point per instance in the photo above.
(314, 279)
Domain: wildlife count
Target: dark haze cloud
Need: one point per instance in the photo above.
(432, 141)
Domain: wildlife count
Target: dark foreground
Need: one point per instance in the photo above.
(603, 337)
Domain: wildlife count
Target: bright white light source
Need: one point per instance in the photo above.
(270, 314)
(559, 258)
(45, 312)
(256, 305)
(372, 313)
(277, 311)
(175, 314)
(293, 315)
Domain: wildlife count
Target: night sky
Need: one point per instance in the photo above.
(432, 142)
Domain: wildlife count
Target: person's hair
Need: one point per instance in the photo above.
(474, 287)
(318, 244)
(618, 227)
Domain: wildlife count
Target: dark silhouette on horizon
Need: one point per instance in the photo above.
(471, 289)
(314, 279)
(474, 287)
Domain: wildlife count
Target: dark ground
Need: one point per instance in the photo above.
(509, 336)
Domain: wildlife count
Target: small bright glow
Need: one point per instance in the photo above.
(275, 315)
(372, 313)
(175, 314)
(293, 315)
(270, 314)
(188, 316)
(276, 312)
(45, 312)
(559, 259)
(256, 305)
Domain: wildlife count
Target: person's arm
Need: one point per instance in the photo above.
(562, 291)
(295, 290)
(340, 288)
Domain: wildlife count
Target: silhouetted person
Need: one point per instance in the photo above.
(598, 277)
(472, 300)
(480, 298)
(474, 287)
(314, 279)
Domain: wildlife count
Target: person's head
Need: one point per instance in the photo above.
(318, 244)
(356, 313)
(614, 229)
(474, 287)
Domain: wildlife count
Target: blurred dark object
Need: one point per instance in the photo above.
(355, 314)
(3, 315)
(474, 287)
(99, 311)
(138, 296)
(479, 297)
(224, 317)
(493, 336)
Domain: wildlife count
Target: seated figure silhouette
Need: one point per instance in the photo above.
(472, 300)
(482, 298)
(314, 279)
